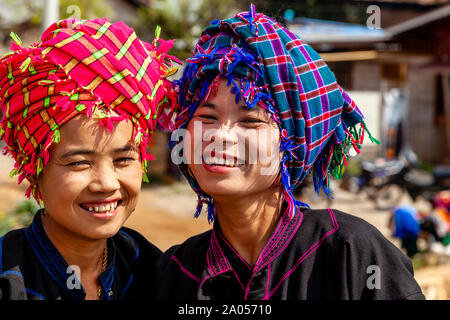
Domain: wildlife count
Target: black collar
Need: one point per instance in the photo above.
(58, 268)
(217, 263)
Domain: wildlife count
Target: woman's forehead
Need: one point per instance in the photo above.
(223, 94)
(88, 132)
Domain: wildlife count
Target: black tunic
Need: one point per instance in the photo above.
(319, 254)
(32, 268)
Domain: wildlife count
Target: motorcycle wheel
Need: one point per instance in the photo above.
(388, 196)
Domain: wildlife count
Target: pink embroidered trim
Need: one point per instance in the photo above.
(235, 252)
(306, 254)
(215, 254)
(235, 274)
(269, 269)
(267, 255)
(281, 238)
(203, 281)
(247, 288)
(184, 269)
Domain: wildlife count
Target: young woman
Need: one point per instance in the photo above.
(260, 109)
(78, 110)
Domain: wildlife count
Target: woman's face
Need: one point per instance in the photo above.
(91, 183)
(232, 150)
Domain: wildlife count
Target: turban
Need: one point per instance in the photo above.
(96, 68)
(267, 65)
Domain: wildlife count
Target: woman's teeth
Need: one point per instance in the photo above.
(103, 208)
(222, 162)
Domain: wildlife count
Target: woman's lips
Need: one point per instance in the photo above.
(221, 163)
(220, 168)
(101, 209)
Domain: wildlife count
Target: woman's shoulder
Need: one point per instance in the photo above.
(345, 226)
(134, 243)
(346, 233)
(16, 260)
(12, 248)
(13, 236)
(191, 248)
(347, 240)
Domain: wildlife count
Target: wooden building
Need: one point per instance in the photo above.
(404, 66)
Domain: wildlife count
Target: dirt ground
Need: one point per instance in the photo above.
(164, 215)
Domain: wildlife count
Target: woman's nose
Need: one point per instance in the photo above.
(104, 179)
(224, 134)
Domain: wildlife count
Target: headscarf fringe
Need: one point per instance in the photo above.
(205, 199)
(334, 157)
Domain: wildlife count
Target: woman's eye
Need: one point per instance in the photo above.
(78, 163)
(207, 116)
(251, 120)
(124, 160)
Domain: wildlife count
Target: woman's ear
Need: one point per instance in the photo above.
(31, 179)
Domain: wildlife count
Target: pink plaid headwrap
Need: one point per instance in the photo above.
(81, 67)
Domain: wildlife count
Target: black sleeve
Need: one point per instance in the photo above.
(376, 268)
(13, 248)
(180, 268)
(12, 287)
(166, 274)
(145, 265)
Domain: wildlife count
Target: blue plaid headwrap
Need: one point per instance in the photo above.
(269, 66)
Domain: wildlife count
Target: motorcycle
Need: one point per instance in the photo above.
(385, 181)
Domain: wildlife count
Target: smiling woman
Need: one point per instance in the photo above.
(239, 147)
(79, 108)
(261, 110)
(99, 176)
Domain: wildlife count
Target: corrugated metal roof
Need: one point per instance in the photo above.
(315, 30)
(325, 31)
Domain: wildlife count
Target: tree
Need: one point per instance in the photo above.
(336, 10)
(182, 20)
(83, 9)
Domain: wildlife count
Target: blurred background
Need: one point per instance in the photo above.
(392, 57)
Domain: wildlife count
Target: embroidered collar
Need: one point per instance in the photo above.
(58, 268)
(217, 263)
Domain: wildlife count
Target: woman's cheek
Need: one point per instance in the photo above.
(193, 148)
(269, 152)
(131, 176)
(65, 179)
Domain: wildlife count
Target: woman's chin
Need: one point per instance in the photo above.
(106, 229)
(224, 191)
(104, 232)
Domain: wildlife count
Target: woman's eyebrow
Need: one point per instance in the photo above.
(245, 108)
(76, 152)
(213, 106)
(208, 105)
(127, 147)
(254, 110)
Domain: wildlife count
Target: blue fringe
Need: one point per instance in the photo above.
(286, 181)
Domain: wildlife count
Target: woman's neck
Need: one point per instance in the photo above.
(87, 254)
(248, 222)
